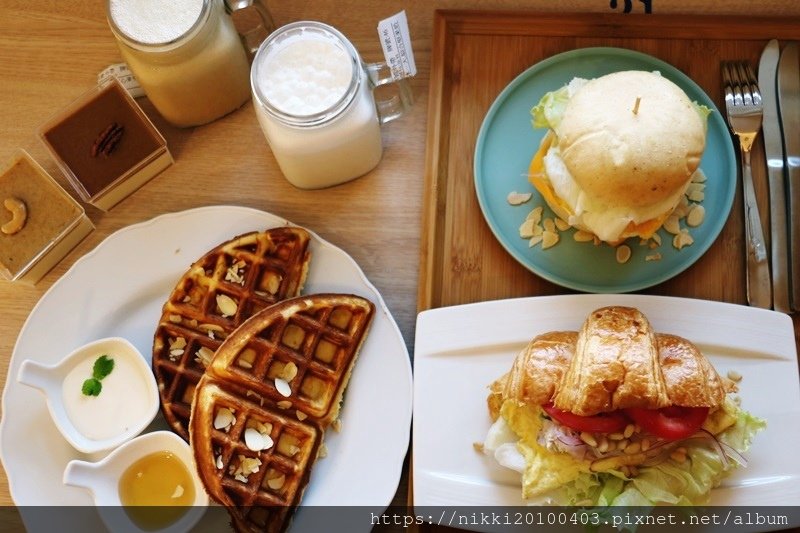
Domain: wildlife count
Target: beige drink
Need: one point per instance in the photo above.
(317, 111)
(186, 54)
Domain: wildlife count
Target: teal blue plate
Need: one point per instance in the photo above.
(507, 141)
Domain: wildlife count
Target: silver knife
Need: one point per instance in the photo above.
(773, 147)
(789, 105)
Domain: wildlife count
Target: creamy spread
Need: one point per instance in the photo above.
(50, 212)
(122, 402)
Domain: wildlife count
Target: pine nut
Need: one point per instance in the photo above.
(616, 436)
(677, 456)
(589, 439)
(628, 431)
(645, 444)
(602, 446)
(633, 447)
(733, 375)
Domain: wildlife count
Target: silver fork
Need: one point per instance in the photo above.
(743, 103)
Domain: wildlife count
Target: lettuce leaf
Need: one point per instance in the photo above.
(702, 110)
(670, 482)
(550, 109)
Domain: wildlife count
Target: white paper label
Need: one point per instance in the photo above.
(396, 44)
(124, 75)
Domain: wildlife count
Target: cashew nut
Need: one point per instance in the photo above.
(19, 214)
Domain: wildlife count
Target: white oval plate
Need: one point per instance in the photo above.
(118, 289)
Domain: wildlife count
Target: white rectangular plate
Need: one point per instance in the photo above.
(461, 350)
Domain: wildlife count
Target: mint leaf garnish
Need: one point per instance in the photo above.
(102, 367)
(91, 387)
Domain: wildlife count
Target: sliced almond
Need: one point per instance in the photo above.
(653, 257)
(562, 225)
(682, 239)
(549, 239)
(178, 492)
(292, 450)
(695, 187)
(696, 215)
(301, 415)
(256, 440)
(218, 462)
(226, 305)
(224, 418)
(698, 176)
(518, 198)
(283, 388)
(697, 196)
(284, 404)
(656, 239)
(549, 225)
(682, 208)
(536, 214)
(536, 239)
(337, 425)
(250, 465)
(672, 225)
(177, 344)
(623, 253)
(582, 236)
(526, 229)
(204, 355)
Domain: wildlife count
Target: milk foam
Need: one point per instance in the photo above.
(155, 21)
(305, 74)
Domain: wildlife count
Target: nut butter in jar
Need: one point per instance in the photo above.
(186, 54)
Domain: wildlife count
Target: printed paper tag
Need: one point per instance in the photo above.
(124, 75)
(396, 44)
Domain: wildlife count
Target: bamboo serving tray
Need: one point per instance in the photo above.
(476, 54)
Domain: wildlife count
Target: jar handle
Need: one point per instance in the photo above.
(252, 21)
(396, 105)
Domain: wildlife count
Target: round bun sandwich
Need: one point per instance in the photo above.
(620, 153)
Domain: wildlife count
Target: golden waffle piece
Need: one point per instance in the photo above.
(261, 409)
(221, 290)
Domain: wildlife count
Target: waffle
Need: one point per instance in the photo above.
(229, 284)
(281, 374)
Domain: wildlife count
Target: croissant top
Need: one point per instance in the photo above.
(616, 361)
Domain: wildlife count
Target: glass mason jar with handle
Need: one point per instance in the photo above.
(314, 101)
(186, 54)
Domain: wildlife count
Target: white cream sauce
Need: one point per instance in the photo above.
(121, 404)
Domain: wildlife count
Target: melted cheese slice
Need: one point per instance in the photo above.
(611, 224)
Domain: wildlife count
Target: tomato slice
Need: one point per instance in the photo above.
(600, 423)
(671, 423)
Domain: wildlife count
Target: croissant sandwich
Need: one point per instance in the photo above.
(616, 414)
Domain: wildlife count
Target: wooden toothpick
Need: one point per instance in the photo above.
(636, 105)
